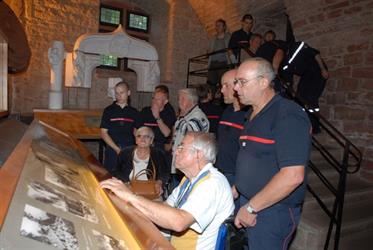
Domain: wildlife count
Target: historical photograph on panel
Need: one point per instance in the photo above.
(48, 228)
(48, 195)
(106, 242)
(64, 179)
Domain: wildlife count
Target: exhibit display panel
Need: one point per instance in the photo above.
(81, 124)
(52, 199)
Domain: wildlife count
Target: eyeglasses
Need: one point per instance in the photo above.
(144, 136)
(243, 81)
(181, 147)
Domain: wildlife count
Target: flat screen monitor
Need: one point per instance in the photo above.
(137, 21)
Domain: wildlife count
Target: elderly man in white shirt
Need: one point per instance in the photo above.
(198, 206)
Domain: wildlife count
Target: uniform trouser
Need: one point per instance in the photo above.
(275, 227)
(310, 88)
(110, 160)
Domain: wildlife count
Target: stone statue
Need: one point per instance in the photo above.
(56, 56)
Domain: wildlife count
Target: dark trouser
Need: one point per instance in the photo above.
(110, 160)
(231, 178)
(310, 88)
(275, 227)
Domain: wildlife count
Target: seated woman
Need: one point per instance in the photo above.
(143, 156)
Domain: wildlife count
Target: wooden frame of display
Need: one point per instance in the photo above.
(140, 232)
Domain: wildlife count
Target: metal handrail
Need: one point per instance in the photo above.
(344, 167)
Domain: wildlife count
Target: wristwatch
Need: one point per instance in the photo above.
(251, 210)
(158, 118)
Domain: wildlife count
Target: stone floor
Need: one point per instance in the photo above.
(11, 132)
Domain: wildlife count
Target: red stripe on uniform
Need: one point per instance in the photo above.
(257, 139)
(213, 117)
(121, 119)
(150, 124)
(231, 124)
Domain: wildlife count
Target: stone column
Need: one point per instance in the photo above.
(56, 56)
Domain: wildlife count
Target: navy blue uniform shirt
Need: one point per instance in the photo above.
(120, 123)
(213, 113)
(278, 136)
(167, 115)
(229, 130)
(239, 38)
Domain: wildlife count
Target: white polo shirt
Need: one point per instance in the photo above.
(210, 202)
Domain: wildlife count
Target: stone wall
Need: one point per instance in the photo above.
(44, 22)
(176, 32)
(343, 32)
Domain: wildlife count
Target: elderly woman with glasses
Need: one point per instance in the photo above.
(133, 159)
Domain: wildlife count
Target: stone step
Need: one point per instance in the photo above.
(359, 241)
(325, 169)
(356, 189)
(312, 230)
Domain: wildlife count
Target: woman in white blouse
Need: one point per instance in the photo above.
(143, 156)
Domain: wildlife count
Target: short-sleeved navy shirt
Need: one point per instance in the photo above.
(267, 51)
(278, 136)
(213, 113)
(239, 37)
(168, 117)
(229, 130)
(120, 123)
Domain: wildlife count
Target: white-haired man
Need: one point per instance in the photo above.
(191, 118)
(198, 206)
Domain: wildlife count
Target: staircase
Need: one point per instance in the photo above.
(357, 220)
(338, 209)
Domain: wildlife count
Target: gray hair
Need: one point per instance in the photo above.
(206, 143)
(145, 128)
(191, 93)
(264, 68)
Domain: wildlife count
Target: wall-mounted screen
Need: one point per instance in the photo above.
(137, 21)
(110, 15)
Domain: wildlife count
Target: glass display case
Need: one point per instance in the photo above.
(50, 199)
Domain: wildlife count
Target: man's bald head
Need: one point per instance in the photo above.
(227, 85)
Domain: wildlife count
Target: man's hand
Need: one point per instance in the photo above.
(118, 188)
(156, 110)
(235, 193)
(244, 218)
(158, 187)
(117, 150)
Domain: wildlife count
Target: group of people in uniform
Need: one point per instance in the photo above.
(252, 166)
(287, 58)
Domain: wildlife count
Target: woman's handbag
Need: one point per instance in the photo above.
(146, 188)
